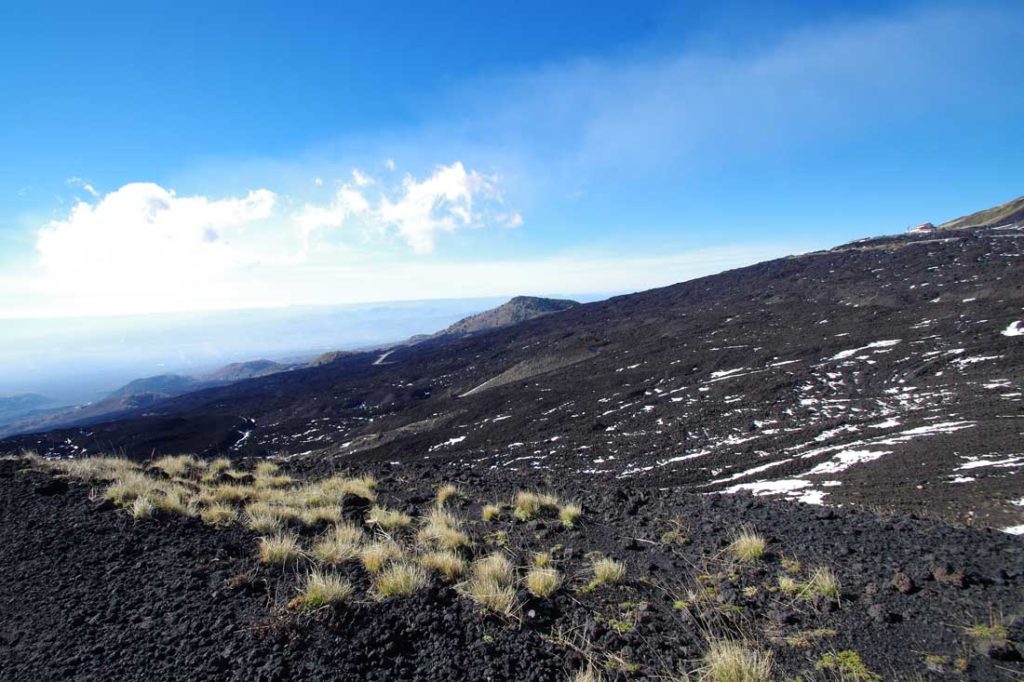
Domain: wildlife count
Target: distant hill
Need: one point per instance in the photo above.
(238, 371)
(1003, 214)
(518, 309)
(161, 384)
(17, 406)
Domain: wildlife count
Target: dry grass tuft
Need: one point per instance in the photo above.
(748, 545)
(570, 514)
(340, 545)
(607, 571)
(218, 514)
(323, 589)
(177, 465)
(265, 468)
(442, 529)
(543, 582)
(492, 583)
(142, 508)
(528, 505)
(542, 559)
(279, 549)
(175, 500)
(317, 515)
(231, 493)
(447, 492)
(588, 673)
(389, 519)
(380, 553)
(490, 512)
(447, 563)
(729, 661)
(824, 583)
(399, 580)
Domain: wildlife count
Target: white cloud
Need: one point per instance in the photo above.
(145, 248)
(79, 182)
(360, 179)
(417, 211)
(143, 244)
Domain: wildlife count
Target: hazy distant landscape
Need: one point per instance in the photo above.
(674, 341)
(73, 360)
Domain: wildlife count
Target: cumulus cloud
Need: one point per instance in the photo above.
(144, 247)
(417, 211)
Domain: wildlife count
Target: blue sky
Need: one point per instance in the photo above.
(185, 156)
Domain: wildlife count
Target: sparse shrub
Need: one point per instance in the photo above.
(569, 514)
(607, 571)
(848, 665)
(322, 589)
(447, 492)
(543, 582)
(399, 580)
(279, 549)
(142, 508)
(447, 563)
(377, 555)
(389, 519)
(340, 545)
(490, 512)
(729, 661)
(748, 545)
(217, 514)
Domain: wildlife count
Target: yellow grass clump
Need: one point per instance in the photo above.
(492, 583)
(528, 505)
(218, 514)
(399, 580)
(748, 545)
(388, 519)
(376, 555)
(447, 563)
(323, 589)
(341, 544)
(607, 571)
(543, 582)
(279, 549)
(729, 661)
(447, 492)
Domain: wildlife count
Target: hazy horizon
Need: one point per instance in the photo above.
(74, 360)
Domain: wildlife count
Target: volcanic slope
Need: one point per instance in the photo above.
(886, 372)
